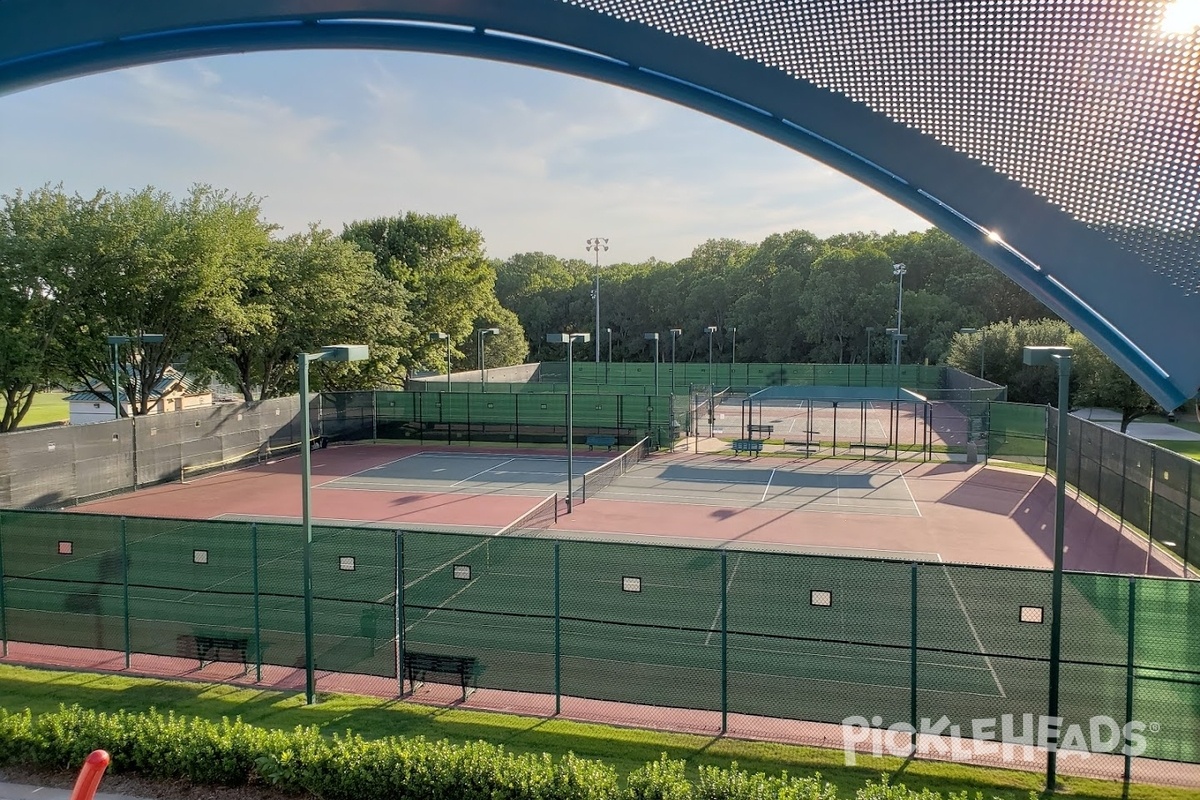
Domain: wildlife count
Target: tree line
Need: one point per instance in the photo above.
(236, 301)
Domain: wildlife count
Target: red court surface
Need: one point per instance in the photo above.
(964, 513)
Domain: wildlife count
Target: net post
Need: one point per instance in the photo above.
(257, 605)
(912, 657)
(125, 592)
(556, 507)
(557, 630)
(1129, 685)
(398, 612)
(724, 640)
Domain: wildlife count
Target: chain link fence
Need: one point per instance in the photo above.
(934, 646)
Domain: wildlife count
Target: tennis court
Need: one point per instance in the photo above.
(469, 473)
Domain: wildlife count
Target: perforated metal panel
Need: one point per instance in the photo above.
(1089, 105)
(1055, 138)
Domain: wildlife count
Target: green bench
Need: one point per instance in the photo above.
(600, 440)
(747, 446)
(423, 664)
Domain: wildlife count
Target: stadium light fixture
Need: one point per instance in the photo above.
(569, 339)
(1060, 357)
(337, 352)
(982, 344)
(114, 342)
(654, 337)
(433, 337)
(481, 332)
(597, 244)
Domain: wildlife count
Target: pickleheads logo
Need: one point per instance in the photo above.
(994, 738)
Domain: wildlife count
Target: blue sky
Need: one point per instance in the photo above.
(533, 159)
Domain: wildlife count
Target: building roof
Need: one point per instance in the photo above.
(172, 381)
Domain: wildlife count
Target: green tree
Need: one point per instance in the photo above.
(315, 289)
(32, 229)
(1099, 382)
(441, 266)
(846, 287)
(1005, 342)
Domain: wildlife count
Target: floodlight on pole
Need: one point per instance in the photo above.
(337, 352)
(982, 343)
(569, 339)
(433, 337)
(899, 270)
(114, 342)
(654, 337)
(675, 334)
(1060, 357)
(481, 332)
(711, 329)
(596, 244)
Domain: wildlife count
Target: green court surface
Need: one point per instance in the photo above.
(786, 635)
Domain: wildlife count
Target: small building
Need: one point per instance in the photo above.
(174, 392)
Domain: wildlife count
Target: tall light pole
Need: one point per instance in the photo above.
(114, 342)
(675, 333)
(481, 332)
(982, 343)
(569, 339)
(711, 329)
(654, 337)
(1061, 356)
(899, 270)
(433, 337)
(337, 352)
(897, 338)
(596, 244)
(733, 360)
(870, 330)
(609, 332)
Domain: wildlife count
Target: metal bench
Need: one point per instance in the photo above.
(432, 663)
(747, 446)
(208, 648)
(767, 429)
(598, 440)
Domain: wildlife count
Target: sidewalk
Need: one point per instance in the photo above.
(20, 791)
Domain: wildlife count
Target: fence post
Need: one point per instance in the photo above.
(374, 415)
(557, 628)
(912, 657)
(398, 612)
(125, 591)
(1124, 477)
(3, 624)
(1150, 511)
(257, 607)
(724, 640)
(1129, 685)
(1187, 530)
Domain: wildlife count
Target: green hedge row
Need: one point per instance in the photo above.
(303, 761)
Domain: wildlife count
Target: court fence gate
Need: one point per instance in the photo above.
(937, 648)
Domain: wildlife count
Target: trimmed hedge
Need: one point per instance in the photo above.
(349, 767)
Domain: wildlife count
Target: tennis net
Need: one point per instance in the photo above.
(260, 455)
(538, 518)
(603, 475)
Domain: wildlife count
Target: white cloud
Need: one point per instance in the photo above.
(536, 161)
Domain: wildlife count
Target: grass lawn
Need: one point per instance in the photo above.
(47, 407)
(624, 748)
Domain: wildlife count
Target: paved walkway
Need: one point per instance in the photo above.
(20, 791)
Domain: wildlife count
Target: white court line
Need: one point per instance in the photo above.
(363, 471)
(481, 472)
(770, 478)
(910, 494)
(439, 606)
(982, 651)
(713, 627)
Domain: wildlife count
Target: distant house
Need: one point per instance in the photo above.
(174, 392)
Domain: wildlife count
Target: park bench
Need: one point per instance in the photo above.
(747, 446)
(767, 429)
(432, 663)
(205, 647)
(599, 440)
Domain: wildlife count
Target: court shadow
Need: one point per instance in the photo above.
(993, 492)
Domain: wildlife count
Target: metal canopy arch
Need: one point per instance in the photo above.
(1060, 141)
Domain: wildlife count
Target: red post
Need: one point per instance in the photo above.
(89, 777)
